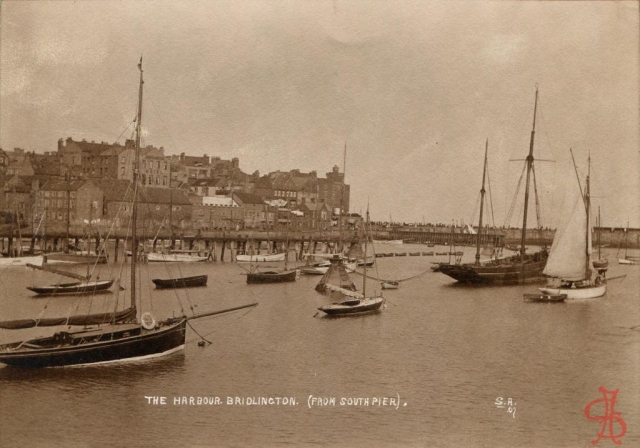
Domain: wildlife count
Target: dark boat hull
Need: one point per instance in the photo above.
(72, 288)
(545, 298)
(351, 310)
(506, 272)
(146, 344)
(271, 277)
(186, 282)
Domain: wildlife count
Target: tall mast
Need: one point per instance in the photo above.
(587, 203)
(451, 241)
(171, 246)
(134, 211)
(482, 192)
(599, 225)
(66, 249)
(526, 191)
(344, 175)
(366, 238)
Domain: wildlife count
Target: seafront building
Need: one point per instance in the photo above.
(87, 181)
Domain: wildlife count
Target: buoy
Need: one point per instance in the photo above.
(200, 343)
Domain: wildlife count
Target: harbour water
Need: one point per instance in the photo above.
(424, 372)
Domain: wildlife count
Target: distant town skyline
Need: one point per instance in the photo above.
(414, 89)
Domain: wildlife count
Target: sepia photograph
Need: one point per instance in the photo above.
(319, 223)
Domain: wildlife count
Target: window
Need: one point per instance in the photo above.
(46, 194)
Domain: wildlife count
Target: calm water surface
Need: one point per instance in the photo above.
(446, 351)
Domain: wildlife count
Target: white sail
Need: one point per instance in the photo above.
(568, 256)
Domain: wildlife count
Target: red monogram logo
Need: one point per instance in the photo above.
(610, 416)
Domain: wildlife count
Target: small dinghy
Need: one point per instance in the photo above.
(390, 285)
(184, 282)
(545, 297)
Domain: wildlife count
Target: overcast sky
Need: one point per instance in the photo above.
(414, 88)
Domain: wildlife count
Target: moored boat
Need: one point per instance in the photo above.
(389, 284)
(353, 306)
(337, 282)
(569, 261)
(175, 257)
(517, 269)
(548, 298)
(260, 258)
(37, 260)
(183, 282)
(272, 277)
(74, 258)
(82, 287)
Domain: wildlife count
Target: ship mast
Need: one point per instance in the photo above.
(134, 211)
(587, 203)
(599, 225)
(482, 192)
(526, 191)
(364, 275)
(344, 175)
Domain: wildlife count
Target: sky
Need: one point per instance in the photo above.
(413, 88)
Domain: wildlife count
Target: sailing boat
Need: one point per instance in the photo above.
(117, 336)
(351, 302)
(505, 271)
(570, 255)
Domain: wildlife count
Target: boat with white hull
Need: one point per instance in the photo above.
(570, 256)
(260, 258)
(174, 258)
(578, 292)
(21, 261)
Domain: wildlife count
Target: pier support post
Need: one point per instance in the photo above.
(115, 250)
(224, 243)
